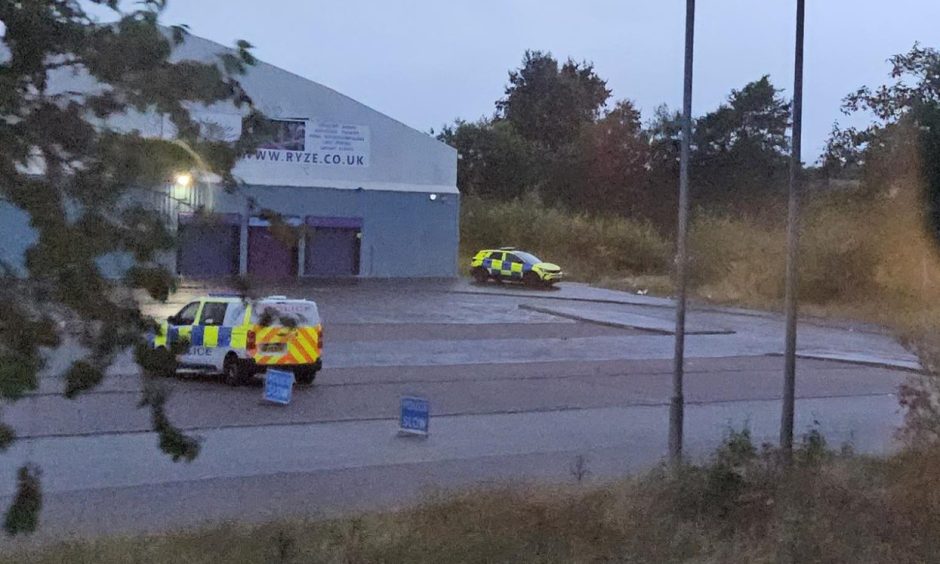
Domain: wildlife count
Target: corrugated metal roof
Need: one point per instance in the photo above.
(399, 158)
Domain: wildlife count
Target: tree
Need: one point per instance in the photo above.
(604, 169)
(891, 103)
(740, 149)
(494, 160)
(664, 132)
(548, 105)
(75, 177)
(901, 146)
(841, 156)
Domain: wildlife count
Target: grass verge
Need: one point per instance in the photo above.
(741, 506)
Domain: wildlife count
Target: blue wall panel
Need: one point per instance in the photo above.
(404, 234)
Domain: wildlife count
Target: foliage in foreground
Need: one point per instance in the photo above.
(741, 506)
(82, 182)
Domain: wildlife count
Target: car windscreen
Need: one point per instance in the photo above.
(528, 258)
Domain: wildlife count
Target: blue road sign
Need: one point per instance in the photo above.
(278, 385)
(415, 415)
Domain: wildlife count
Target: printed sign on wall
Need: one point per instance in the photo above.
(315, 142)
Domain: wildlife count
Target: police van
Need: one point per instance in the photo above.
(241, 338)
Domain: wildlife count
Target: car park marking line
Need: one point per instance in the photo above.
(327, 373)
(694, 307)
(199, 384)
(584, 318)
(445, 414)
(837, 357)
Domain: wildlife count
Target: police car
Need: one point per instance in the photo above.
(507, 263)
(242, 338)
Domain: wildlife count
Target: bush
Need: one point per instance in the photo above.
(736, 259)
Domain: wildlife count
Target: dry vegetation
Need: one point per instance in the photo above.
(864, 257)
(588, 247)
(739, 507)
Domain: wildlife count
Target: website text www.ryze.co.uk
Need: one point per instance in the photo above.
(307, 158)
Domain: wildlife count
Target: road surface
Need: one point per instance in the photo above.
(521, 383)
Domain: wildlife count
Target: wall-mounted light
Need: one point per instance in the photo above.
(433, 197)
(182, 182)
(184, 179)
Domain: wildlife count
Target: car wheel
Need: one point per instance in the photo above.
(305, 376)
(532, 280)
(479, 275)
(233, 373)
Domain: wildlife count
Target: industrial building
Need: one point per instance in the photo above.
(371, 197)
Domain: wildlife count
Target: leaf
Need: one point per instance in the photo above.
(18, 374)
(7, 436)
(23, 515)
(232, 64)
(172, 441)
(180, 32)
(81, 376)
(155, 363)
(156, 280)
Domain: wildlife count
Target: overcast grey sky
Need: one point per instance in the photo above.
(426, 62)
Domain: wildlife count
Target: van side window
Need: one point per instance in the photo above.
(213, 313)
(235, 314)
(187, 315)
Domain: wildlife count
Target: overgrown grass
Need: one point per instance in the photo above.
(586, 247)
(872, 259)
(741, 506)
(867, 257)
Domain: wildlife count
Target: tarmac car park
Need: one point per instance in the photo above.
(225, 334)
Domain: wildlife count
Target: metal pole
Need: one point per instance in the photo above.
(793, 242)
(677, 406)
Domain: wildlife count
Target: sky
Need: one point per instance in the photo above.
(428, 62)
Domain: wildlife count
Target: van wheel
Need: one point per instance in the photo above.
(480, 276)
(305, 376)
(233, 373)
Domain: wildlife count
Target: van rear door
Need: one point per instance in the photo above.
(287, 332)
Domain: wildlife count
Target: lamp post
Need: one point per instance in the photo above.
(677, 405)
(793, 242)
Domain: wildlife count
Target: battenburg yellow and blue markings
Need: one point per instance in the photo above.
(202, 336)
(506, 268)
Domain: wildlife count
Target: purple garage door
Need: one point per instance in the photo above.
(268, 256)
(208, 246)
(333, 246)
